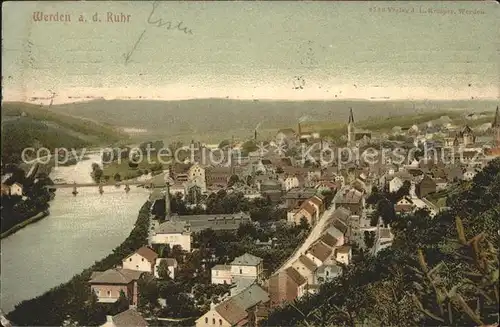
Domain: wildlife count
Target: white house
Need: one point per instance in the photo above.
(16, 189)
(291, 182)
(221, 274)
(468, 175)
(343, 254)
(326, 273)
(173, 233)
(171, 264)
(395, 184)
(247, 267)
(319, 253)
(383, 239)
(337, 234)
(143, 259)
(196, 175)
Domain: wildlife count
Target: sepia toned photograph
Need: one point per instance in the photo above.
(250, 163)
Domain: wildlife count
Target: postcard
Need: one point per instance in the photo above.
(250, 163)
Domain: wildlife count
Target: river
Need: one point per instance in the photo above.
(79, 231)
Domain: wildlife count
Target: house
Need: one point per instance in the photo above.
(247, 267)
(245, 309)
(325, 185)
(306, 268)
(270, 188)
(216, 222)
(295, 197)
(144, 259)
(317, 202)
(468, 175)
(339, 234)
(221, 274)
(196, 174)
(405, 204)
(306, 211)
(343, 254)
(217, 176)
(171, 264)
(319, 253)
(383, 239)
(327, 272)
(128, 318)
(286, 286)
(395, 184)
(351, 199)
(108, 285)
(173, 233)
(16, 189)
(290, 182)
(329, 240)
(426, 186)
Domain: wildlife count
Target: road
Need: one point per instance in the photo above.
(315, 233)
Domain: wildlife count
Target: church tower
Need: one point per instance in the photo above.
(350, 129)
(496, 129)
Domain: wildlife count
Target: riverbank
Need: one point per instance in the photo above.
(25, 223)
(72, 299)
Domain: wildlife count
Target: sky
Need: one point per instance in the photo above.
(251, 50)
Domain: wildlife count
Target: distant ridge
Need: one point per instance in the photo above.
(201, 116)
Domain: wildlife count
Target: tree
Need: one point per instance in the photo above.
(97, 172)
(224, 144)
(163, 272)
(121, 305)
(369, 239)
(279, 170)
(233, 180)
(177, 253)
(304, 225)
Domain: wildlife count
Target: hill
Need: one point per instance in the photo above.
(26, 125)
(216, 119)
(439, 271)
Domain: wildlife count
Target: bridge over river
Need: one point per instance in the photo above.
(159, 181)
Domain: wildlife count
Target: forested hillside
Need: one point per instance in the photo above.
(25, 125)
(439, 271)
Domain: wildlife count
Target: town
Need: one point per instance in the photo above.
(229, 243)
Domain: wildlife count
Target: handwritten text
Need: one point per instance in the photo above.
(169, 25)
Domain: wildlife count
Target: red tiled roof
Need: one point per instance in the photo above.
(307, 262)
(328, 240)
(320, 251)
(147, 253)
(295, 276)
(343, 249)
(317, 201)
(309, 208)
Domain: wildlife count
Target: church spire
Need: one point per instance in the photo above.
(496, 121)
(351, 117)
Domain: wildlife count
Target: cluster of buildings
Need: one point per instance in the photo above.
(339, 222)
(110, 284)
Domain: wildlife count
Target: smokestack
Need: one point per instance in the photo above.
(167, 199)
(255, 135)
(300, 131)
